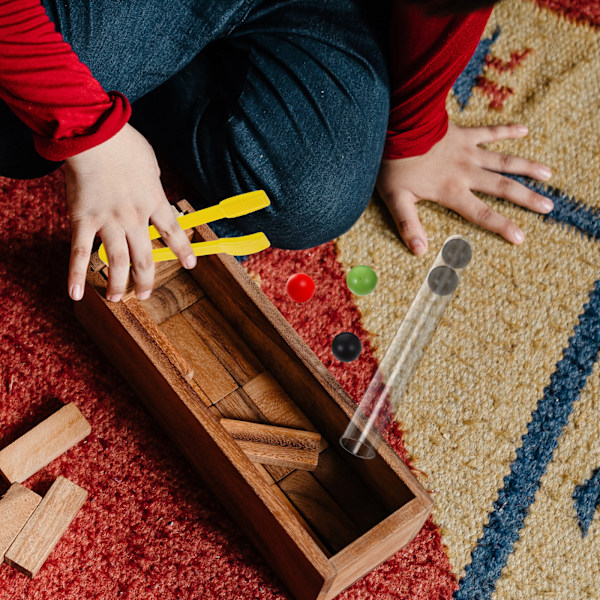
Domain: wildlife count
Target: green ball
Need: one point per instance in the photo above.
(361, 280)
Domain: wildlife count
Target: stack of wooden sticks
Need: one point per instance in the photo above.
(31, 526)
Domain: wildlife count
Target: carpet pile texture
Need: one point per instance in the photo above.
(500, 421)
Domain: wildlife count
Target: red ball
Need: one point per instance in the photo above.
(300, 287)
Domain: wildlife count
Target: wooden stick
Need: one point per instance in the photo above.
(271, 445)
(45, 527)
(42, 444)
(16, 507)
(238, 405)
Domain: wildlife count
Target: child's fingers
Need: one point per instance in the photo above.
(117, 252)
(402, 206)
(494, 133)
(515, 165)
(82, 241)
(173, 236)
(142, 265)
(509, 189)
(476, 211)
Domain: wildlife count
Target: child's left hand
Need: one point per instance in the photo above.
(449, 173)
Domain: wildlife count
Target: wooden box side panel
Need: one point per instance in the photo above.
(275, 532)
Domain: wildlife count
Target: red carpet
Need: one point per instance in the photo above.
(150, 529)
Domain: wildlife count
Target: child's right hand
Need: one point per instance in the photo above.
(114, 189)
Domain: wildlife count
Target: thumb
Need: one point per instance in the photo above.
(402, 206)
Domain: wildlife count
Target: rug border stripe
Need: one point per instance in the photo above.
(543, 433)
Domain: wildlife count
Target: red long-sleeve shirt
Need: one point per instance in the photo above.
(427, 55)
(56, 95)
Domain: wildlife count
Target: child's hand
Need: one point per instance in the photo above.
(449, 172)
(114, 189)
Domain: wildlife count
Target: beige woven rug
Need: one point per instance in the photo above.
(502, 415)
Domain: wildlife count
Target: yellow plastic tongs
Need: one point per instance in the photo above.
(236, 206)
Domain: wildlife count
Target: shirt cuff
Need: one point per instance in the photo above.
(111, 122)
(416, 141)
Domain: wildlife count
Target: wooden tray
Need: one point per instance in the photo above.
(209, 344)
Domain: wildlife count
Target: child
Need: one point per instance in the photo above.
(289, 96)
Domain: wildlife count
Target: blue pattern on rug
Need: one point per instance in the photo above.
(587, 498)
(463, 86)
(538, 444)
(567, 211)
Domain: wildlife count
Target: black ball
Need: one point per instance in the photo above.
(346, 346)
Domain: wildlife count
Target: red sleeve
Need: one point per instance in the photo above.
(49, 89)
(427, 55)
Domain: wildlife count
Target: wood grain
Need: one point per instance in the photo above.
(209, 373)
(293, 510)
(42, 444)
(272, 445)
(357, 500)
(170, 350)
(223, 340)
(16, 506)
(275, 404)
(238, 405)
(320, 510)
(45, 527)
(172, 297)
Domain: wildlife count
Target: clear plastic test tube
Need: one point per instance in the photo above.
(400, 362)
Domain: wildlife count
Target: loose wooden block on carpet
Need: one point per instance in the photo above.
(16, 507)
(45, 527)
(42, 444)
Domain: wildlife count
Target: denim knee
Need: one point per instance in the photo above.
(298, 224)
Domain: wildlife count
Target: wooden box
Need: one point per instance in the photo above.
(209, 344)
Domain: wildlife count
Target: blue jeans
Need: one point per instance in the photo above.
(289, 96)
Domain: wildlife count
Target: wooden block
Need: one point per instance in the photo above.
(320, 510)
(45, 527)
(224, 341)
(158, 337)
(42, 444)
(171, 298)
(209, 373)
(272, 445)
(16, 507)
(237, 405)
(273, 402)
